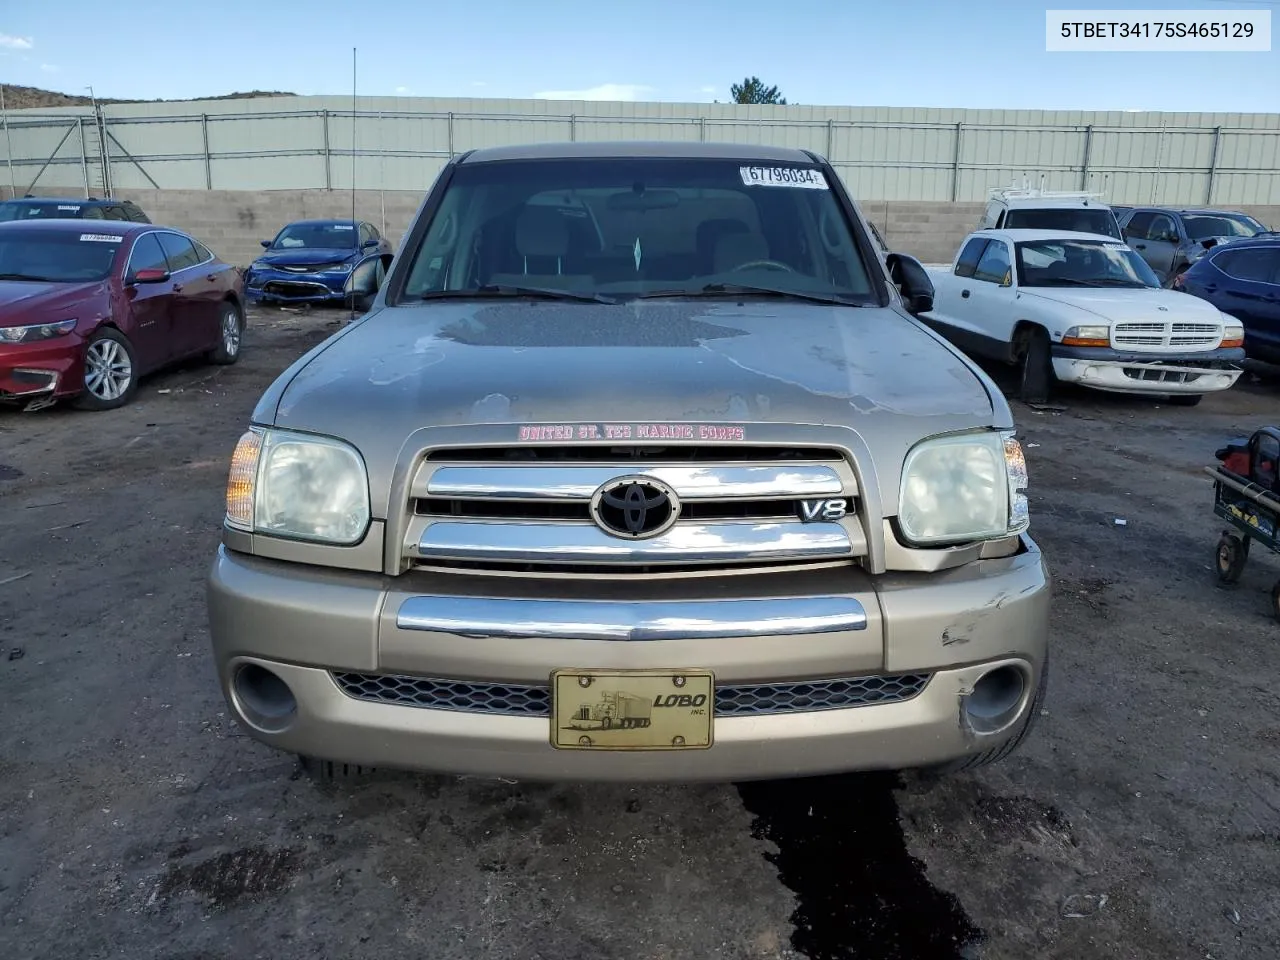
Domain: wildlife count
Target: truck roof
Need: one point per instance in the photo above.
(640, 148)
(1036, 236)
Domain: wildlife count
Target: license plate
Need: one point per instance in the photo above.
(631, 709)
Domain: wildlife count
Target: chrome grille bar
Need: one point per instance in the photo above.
(686, 543)
(620, 620)
(580, 482)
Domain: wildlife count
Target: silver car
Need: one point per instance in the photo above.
(638, 467)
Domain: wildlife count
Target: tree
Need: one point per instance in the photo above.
(751, 90)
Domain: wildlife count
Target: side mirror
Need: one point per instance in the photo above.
(912, 281)
(365, 282)
(265, 243)
(150, 275)
(369, 243)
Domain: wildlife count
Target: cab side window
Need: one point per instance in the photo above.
(994, 265)
(970, 256)
(1138, 225)
(1162, 229)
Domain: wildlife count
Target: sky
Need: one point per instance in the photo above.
(942, 53)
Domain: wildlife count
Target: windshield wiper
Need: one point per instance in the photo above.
(730, 289)
(511, 290)
(28, 276)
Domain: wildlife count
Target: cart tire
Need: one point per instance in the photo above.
(1233, 551)
(1275, 600)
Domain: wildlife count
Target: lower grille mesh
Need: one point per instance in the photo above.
(529, 700)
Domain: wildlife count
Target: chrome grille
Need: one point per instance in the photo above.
(530, 508)
(1162, 335)
(532, 700)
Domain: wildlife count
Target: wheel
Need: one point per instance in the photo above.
(110, 371)
(332, 771)
(1037, 368)
(934, 774)
(1185, 399)
(230, 331)
(1233, 551)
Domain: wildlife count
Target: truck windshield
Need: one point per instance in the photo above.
(621, 228)
(1075, 219)
(1220, 225)
(1081, 263)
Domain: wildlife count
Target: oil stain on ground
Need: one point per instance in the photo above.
(860, 894)
(229, 878)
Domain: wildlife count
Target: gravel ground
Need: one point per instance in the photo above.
(1141, 820)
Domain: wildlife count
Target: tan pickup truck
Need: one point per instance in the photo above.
(638, 467)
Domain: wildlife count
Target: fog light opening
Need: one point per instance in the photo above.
(263, 699)
(996, 700)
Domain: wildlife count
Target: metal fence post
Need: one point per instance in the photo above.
(450, 134)
(830, 137)
(328, 166)
(1213, 166)
(208, 163)
(1084, 163)
(573, 127)
(955, 164)
(84, 156)
(107, 177)
(702, 129)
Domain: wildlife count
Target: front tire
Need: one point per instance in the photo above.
(1038, 378)
(1232, 554)
(110, 371)
(230, 335)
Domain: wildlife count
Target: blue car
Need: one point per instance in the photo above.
(312, 261)
(1242, 278)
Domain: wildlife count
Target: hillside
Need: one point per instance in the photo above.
(26, 98)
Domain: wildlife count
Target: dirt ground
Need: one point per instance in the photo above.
(1141, 820)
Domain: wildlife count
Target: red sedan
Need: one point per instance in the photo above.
(88, 307)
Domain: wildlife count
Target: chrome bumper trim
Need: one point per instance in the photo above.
(580, 482)
(620, 620)
(685, 543)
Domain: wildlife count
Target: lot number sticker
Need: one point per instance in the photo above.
(100, 238)
(784, 177)
(67, 206)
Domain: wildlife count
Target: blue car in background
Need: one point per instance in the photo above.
(313, 261)
(1242, 278)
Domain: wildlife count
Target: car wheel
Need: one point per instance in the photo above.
(1037, 368)
(332, 771)
(1232, 554)
(1185, 399)
(230, 335)
(931, 775)
(110, 371)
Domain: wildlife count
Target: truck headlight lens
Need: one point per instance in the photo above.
(963, 488)
(1087, 337)
(298, 486)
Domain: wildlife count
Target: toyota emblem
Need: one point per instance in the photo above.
(634, 508)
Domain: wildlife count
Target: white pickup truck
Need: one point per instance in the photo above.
(1083, 308)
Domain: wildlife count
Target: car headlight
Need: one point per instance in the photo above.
(345, 267)
(962, 488)
(36, 331)
(259, 265)
(298, 486)
(1087, 336)
(1232, 333)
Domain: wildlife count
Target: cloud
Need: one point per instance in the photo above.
(708, 90)
(402, 90)
(50, 67)
(606, 91)
(478, 83)
(15, 43)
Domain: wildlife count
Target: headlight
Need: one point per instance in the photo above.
(1089, 336)
(1233, 334)
(298, 486)
(345, 267)
(36, 331)
(963, 488)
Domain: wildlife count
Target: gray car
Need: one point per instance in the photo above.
(638, 467)
(1171, 239)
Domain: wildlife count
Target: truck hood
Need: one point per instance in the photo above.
(1121, 304)
(443, 364)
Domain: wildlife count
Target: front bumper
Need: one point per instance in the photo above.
(286, 286)
(308, 626)
(1114, 371)
(50, 368)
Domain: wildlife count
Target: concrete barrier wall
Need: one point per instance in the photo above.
(233, 222)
